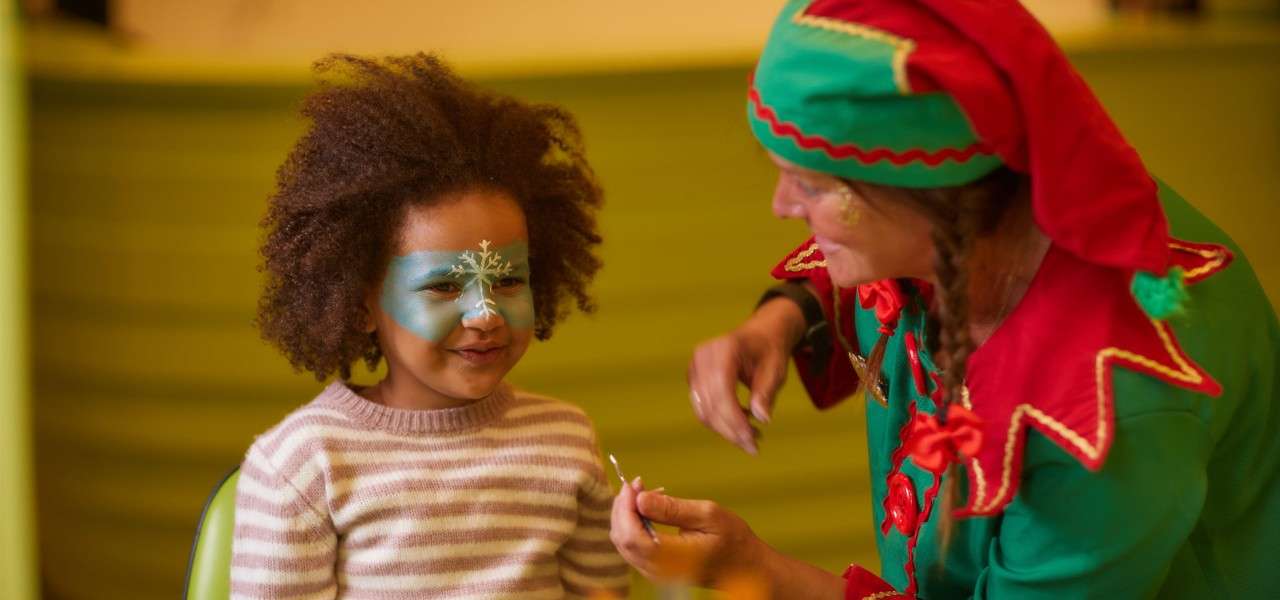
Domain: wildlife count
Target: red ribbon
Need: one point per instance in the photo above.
(886, 297)
(934, 445)
(917, 369)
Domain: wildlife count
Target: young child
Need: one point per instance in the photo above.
(439, 227)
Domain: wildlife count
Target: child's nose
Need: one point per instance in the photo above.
(483, 320)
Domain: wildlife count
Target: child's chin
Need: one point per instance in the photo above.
(476, 390)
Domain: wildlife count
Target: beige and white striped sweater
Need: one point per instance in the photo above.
(504, 498)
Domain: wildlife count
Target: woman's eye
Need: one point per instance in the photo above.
(805, 187)
(809, 188)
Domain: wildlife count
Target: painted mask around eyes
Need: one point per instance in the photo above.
(430, 292)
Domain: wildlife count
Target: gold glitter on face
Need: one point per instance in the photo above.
(849, 214)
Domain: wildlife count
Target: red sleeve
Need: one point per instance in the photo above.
(861, 584)
(835, 379)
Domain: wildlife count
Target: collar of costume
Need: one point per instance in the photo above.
(1062, 389)
(928, 93)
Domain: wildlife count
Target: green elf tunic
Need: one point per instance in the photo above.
(1119, 433)
(1121, 457)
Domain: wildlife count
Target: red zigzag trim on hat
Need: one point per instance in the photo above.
(843, 151)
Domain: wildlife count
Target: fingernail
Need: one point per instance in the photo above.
(758, 409)
(660, 490)
(637, 484)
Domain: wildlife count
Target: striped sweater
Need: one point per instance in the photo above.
(503, 498)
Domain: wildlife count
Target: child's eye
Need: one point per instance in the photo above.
(508, 283)
(442, 288)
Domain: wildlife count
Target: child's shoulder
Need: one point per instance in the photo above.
(304, 431)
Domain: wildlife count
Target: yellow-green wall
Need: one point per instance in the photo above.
(150, 381)
(17, 566)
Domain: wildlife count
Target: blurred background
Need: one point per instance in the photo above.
(139, 140)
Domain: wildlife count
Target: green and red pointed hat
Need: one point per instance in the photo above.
(931, 93)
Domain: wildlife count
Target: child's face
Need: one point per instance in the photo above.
(454, 312)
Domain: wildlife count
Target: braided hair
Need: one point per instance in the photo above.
(960, 216)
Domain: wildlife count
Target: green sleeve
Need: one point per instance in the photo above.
(1072, 533)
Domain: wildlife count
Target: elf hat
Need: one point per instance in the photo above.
(929, 93)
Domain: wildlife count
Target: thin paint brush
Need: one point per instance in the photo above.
(648, 525)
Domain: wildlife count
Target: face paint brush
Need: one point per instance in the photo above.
(648, 525)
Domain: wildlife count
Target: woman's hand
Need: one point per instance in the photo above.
(713, 545)
(718, 541)
(756, 354)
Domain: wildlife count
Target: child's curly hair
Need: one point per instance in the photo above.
(389, 133)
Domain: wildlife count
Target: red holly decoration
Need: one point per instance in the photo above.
(900, 504)
(886, 297)
(933, 445)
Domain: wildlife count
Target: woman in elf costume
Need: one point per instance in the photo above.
(1071, 375)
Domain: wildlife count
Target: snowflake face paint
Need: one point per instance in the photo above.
(430, 293)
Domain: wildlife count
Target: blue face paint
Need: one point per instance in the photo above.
(431, 292)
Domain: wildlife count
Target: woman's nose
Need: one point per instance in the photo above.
(785, 204)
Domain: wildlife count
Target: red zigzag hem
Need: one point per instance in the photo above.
(843, 151)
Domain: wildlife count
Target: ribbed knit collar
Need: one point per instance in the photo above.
(400, 420)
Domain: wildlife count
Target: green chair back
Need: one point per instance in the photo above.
(209, 569)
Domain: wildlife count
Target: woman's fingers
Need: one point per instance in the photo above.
(714, 372)
(767, 375)
(712, 542)
(688, 515)
(713, 380)
(628, 534)
(756, 354)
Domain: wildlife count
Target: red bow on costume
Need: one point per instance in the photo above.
(934, 445)
(887, 299)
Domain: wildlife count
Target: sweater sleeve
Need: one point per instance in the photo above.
(589, 564)
(283, 547)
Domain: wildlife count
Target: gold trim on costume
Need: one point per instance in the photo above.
(858, 363)
(795, 264)
(1182, 371)
(980, 478)
(901, 46)
(1185, 372)
(880, 595)
(1216, 258)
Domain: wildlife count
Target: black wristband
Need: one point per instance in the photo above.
(816, 334)
(796, 292)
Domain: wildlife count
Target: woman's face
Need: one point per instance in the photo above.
(863, 239)
(454, 311)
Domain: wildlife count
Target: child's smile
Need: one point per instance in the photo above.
(481, 354)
